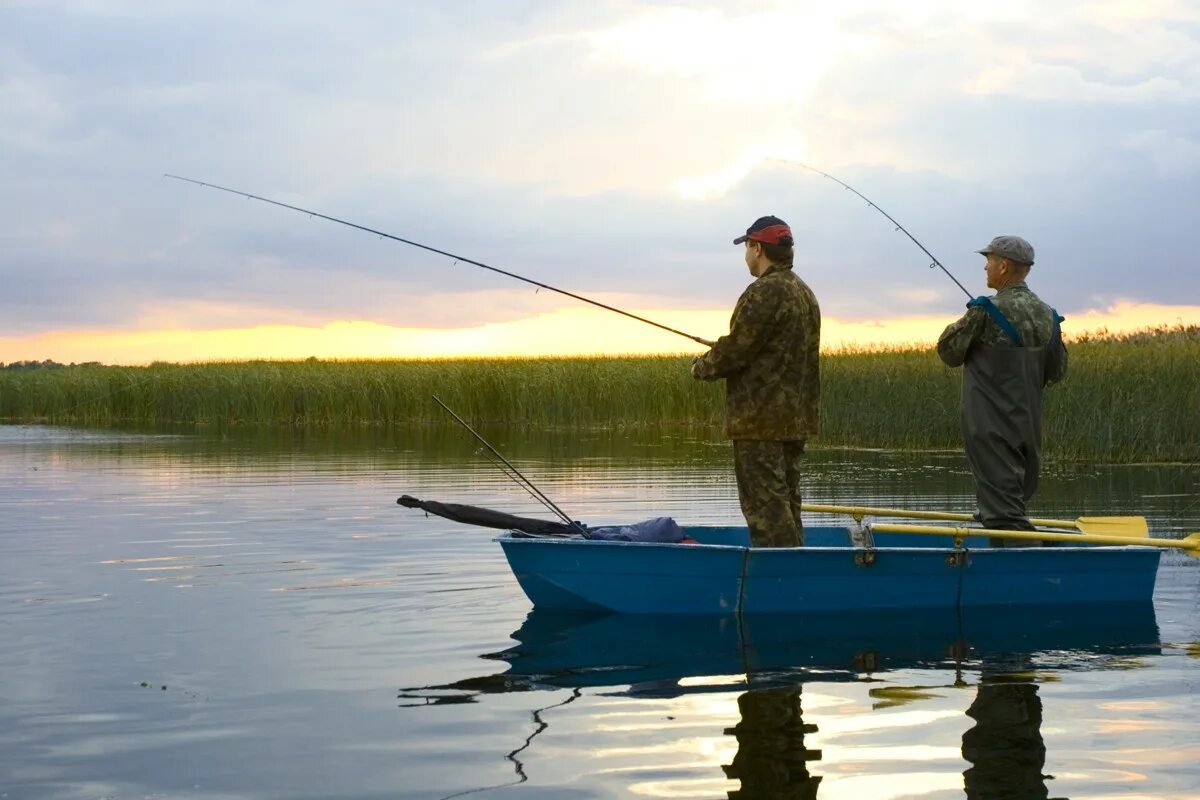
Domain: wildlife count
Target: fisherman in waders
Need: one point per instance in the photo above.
(1010, 347)
(772, 384)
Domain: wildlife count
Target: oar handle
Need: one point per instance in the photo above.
(1190, 544)
(868, 511)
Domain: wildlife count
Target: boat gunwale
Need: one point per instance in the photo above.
(508, 538)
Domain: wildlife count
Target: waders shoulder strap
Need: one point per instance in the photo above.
(998, 317)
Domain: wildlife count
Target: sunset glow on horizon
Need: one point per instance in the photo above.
(564, 332)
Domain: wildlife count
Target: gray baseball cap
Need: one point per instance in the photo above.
(1013, 248)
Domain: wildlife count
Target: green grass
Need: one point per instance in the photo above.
(1126, 398)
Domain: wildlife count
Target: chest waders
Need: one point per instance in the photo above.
(1002, 422)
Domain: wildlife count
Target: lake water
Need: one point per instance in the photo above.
(250, 615)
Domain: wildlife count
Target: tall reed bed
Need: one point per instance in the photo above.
(1125, 399)
(533, 392)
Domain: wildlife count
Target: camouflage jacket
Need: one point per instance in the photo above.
(1032, 318)
(769, 360)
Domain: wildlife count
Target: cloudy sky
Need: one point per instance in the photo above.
(610, 148)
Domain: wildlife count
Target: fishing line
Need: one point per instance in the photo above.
(525, 482)
(520, 480)
(890, 218)
(515, 478)
(457, 258)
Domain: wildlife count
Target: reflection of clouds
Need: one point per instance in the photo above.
(899, 784)
(885, 753)
(1122, 726)
(860, 724)
(654, 738)
(1154, 756)
(1134, 705)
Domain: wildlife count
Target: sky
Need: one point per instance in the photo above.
(613, 149)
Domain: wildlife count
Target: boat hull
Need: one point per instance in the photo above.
(721, 575)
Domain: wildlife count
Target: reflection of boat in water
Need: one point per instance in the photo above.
(767, 659)
(651, 654)
(721, 574)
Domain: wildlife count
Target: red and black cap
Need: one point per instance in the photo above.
(768, 230)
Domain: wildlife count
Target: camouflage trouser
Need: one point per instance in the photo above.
(768, 479)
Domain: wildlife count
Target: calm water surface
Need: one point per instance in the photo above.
(252, 616)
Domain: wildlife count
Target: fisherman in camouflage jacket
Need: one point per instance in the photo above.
(772, 384)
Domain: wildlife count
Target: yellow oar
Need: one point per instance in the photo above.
(1189, 544)
(1103, 526)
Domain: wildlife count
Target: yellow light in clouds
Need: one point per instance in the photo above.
(746, 61)
(773, 56)
(785, 146)
(566, 332)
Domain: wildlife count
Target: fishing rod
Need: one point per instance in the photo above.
(463, 259)
(891, 219)
(524, 482)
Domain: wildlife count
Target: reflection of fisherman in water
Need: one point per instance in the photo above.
(771, 760)
(1005, 747)
(643, 656)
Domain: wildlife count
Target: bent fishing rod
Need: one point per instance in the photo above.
(463, 259)
(890, 218)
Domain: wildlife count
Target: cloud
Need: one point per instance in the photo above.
(610, 149)
(1170, 154)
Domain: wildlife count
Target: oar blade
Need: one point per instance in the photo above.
(1133, 527)
(1191, 545)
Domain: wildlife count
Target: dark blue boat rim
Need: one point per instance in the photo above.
(715, 577)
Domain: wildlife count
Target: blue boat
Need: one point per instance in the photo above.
(722, 574)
